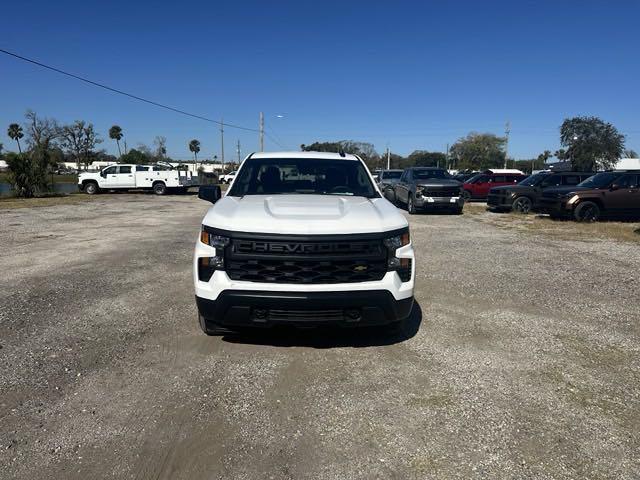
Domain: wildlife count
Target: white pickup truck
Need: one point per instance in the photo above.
(227, 177)
(159, 178)
(303, 239)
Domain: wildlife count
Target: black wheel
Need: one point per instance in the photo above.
(210, 328)
(91, 188)
(587, 212)
(466, 194)
(522, 205)
(411, 208)
(159, 188)
(457, 211)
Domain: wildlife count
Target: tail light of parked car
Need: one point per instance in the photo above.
(400, 265)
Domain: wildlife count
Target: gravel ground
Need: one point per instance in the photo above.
(521, 360)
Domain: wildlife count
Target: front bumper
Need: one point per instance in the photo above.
(438, 202)
(556, 206)
(499, 202)
(243, 308)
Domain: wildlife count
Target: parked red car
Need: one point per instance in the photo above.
(478, 186)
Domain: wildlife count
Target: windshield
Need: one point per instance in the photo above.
(599, 180)
(388, 175)
(424, 174)
(533, 179)
(274, 176)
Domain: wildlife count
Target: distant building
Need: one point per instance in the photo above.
(623, 164)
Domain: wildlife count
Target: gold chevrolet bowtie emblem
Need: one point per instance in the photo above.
(360, 268)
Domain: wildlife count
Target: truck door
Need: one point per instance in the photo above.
(402, 187)
(125, 177)
(110, 176)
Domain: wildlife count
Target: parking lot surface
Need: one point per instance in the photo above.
(521, 359)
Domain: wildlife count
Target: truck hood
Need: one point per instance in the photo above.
(304, 214)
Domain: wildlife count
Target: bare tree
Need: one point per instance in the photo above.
(160, 144)
(80, 140)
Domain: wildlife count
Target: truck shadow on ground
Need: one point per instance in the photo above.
(332, 337)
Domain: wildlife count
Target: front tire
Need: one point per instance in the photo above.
(91, 188)
(587, 212)
(466, 194)
(522, 205)
(159, 188)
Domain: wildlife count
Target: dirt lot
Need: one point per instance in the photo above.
(521, 360)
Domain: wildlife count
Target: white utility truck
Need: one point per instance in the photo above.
(159, 177)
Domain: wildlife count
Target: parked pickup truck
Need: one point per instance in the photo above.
(424, 188)
(159, 178)
(303, 239)
(227, 177)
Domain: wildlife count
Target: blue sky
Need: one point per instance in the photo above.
(411, 75)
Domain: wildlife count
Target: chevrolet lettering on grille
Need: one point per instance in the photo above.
(302, 248)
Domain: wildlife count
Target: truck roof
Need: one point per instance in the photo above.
(310, 155)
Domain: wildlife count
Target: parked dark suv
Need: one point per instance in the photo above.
(524, 196)
(427, 188)
(606, 194)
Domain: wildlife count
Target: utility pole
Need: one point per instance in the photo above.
(238, 150)
(388, 159)
(507, 131)
(222, 142)
(261, 132)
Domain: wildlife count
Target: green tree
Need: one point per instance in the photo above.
(115, 133)
(135, 156)
(422, 158)
(364, 150)
(478, 151)
(25, 174)
(194, 147)
(591, 143)
(15, 133)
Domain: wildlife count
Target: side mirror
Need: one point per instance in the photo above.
(614, 186)
(103, 174)
(210, 193)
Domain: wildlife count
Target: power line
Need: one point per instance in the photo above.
(274, 137)
(120, 92)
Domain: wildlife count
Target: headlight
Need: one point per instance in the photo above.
(573, 199)
(400, 265)
(419, 190)
(215, 241)
(208, 265)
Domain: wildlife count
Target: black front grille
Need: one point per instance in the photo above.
(445, 191)
(284, 261)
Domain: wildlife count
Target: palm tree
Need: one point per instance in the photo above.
(194, 146)
(15, 133)
(115, 133)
